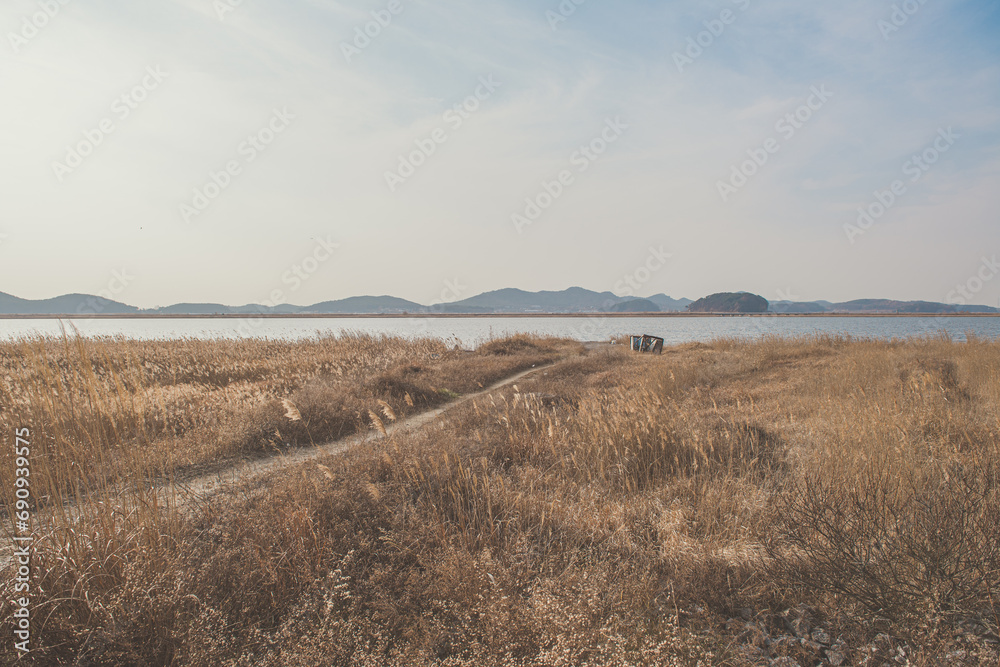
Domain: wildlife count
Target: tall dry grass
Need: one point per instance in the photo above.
(112, 418)
(107, 406)
(101, 406)
(696, 508)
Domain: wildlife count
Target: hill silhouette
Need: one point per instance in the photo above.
(504, 301)
(730, 302)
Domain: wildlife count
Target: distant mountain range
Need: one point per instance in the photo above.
(572, 300)
(876, 306)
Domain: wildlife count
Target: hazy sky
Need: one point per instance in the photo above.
(115, 113)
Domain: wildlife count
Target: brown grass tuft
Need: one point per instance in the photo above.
(732, 503)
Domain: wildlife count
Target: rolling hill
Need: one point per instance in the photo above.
(365, 304)
(730, 302)
(68, 304)
(504, 301)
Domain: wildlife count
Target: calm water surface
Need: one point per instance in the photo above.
(471, 331)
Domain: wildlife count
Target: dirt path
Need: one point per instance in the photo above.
(188, 493)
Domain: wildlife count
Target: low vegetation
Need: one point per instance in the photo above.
(104, 408)
(820, 500)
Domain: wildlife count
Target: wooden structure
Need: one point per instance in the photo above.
(646, 343)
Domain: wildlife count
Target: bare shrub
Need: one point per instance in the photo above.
(906, 544)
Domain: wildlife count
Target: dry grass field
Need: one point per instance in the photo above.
(807, 501)
(106, 407)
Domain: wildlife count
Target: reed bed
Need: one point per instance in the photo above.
(105, 408)
(817, 500)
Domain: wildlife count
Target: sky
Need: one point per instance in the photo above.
(256, 151)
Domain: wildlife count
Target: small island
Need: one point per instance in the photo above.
(730, 302)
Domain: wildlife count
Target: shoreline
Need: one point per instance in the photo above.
(498, 316)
